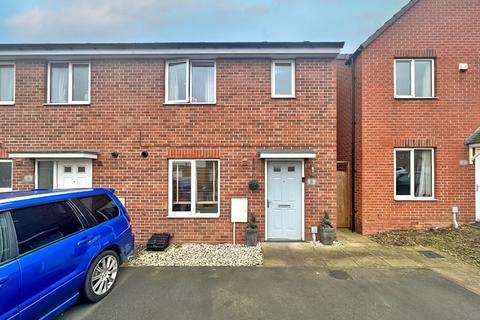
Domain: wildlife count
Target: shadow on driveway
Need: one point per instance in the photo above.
(281, 293)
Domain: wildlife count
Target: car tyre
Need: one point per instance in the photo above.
(101, 276)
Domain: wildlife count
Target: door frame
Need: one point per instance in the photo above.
(302, 198)
(55, 169)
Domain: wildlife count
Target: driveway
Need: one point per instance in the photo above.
(281, 293)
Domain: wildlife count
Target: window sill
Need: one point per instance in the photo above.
(416, 199)
(76, 104)
(6, 190)
(416, 98)
(189, 103)
(192, 216)
(7, 103)
(284, 97)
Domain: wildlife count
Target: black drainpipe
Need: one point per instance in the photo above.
(353, 141)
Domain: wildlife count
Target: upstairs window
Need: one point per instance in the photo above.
(190, 82)
(7, 83)
(193, 188)
(414, 179)
(414, 78)
(5, 175)
(68, 83)
(283, 79)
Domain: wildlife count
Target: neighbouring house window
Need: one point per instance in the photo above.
(190, 82)
(414, 174)
(283, 79)
(194, 188)
(69, 83)
(414, 78)
(5, 175)
(7, 84)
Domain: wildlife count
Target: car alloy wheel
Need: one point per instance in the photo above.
(104, 275)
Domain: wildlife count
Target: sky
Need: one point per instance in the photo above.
(39, 21)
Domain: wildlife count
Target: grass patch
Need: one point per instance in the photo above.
(462, 243)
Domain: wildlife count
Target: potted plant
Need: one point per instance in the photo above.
(252, 232)
(327, 231)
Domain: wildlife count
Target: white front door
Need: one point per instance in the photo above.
(477, 189)
(284, 200)
(74, 174)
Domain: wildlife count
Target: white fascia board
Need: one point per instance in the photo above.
(175, 52)
(47, 155)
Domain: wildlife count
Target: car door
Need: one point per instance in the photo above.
(54, 253)
(9, 269)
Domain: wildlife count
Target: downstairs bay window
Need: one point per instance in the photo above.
(414, 174)
(193, 189)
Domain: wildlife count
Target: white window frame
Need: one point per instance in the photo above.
(412, 196)
(189, 85)
(192, 213)
(70, 83)
(412, 79)
(283, 96)
(11, 176)
(10, 103)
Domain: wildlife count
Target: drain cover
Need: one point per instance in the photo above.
(339, 274)
(430, 254)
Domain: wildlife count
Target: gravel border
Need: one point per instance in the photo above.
(196, 255)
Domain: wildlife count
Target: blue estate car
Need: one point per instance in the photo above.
(57, 246)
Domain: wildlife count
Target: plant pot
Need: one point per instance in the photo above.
(252, 237)
(327, 235)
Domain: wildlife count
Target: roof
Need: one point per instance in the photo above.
(474, 137)
(171, 48)
(29, 197)
(384, 28)
(170, 45)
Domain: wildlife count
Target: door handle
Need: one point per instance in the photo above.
(85, 240)
(268, 203)
(3, 280)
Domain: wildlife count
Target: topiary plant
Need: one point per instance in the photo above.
(326, 223)
(253, 185)
(252, 224)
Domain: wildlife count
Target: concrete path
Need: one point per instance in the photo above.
(358, 251)
(281, 293)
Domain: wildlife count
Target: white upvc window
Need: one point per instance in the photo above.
(193, 188)
(6, 175)
(414, 78)
(414, 174)
(7, 83)
(283, 79)
(68, 83)
(190, 81)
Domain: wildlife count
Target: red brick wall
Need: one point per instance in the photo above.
(452, 30)
(127, 114)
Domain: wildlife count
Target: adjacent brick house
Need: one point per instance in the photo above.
(178, 130)
(417, 99)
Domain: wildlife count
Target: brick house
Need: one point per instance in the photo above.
(178, 130)
(417, 100)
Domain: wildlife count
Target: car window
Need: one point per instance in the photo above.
(101, 207)
(8, 242)
(40, 225)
